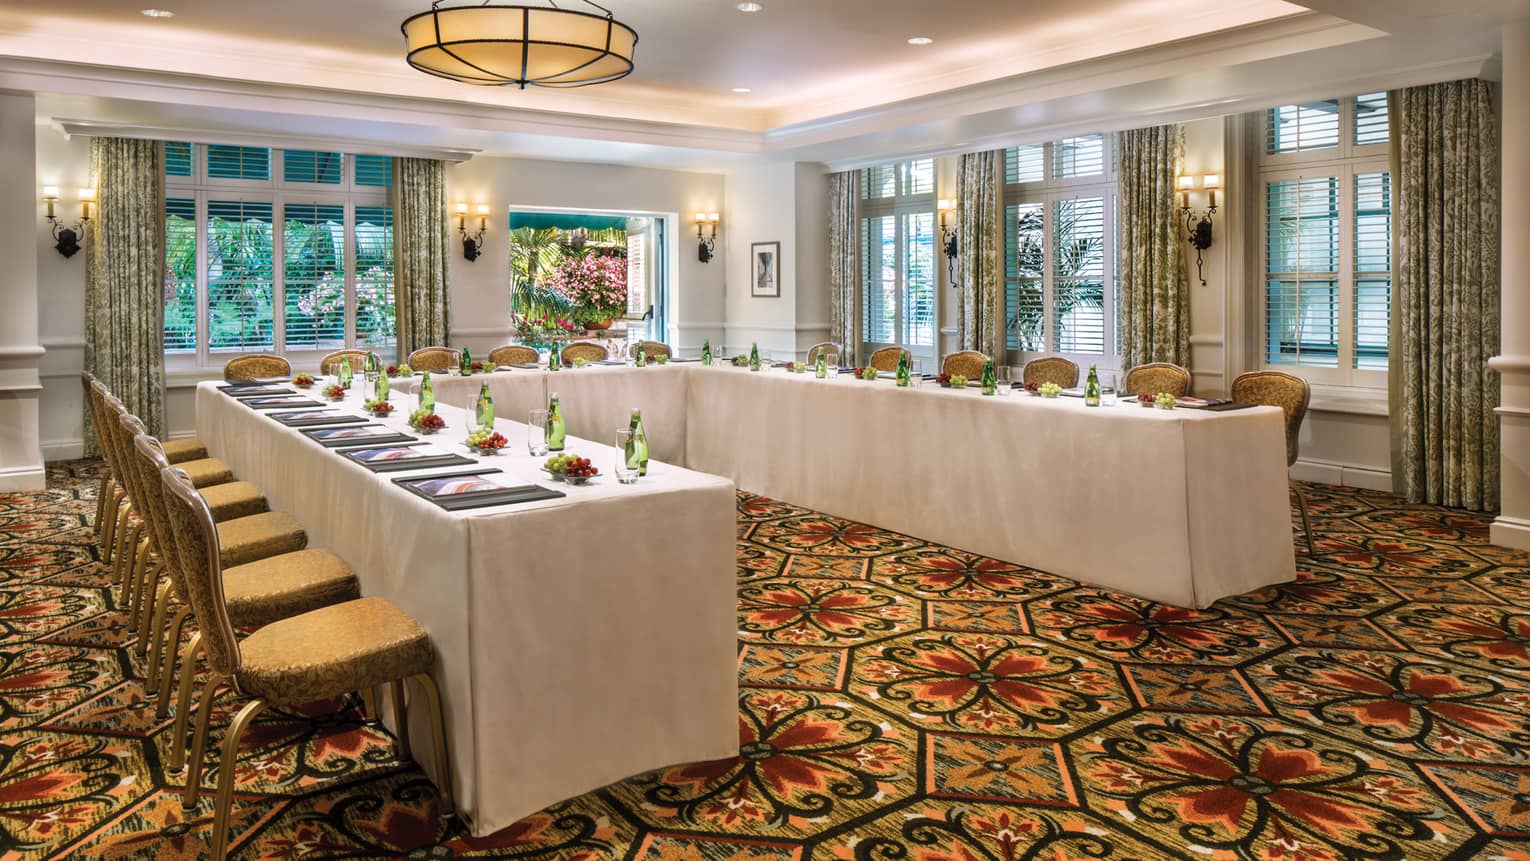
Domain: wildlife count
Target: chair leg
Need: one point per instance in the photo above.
(183, 706)
(401, 718)
(199, 744)
(118, 538)
(167, 672)
(438, 738)
(109, 526)
(138, 575)
(103, 495)
(156, 635)
(1301, 504)
(369, 710)
(151, 590)
(225, 800)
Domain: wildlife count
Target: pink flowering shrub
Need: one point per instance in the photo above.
(594, 285)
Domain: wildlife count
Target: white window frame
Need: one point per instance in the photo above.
(1344, 161)
(1046, 193)
(277, 192)
(896, 207)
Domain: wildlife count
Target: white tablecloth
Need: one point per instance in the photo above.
(577, 643)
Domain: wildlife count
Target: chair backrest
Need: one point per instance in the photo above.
(110, 434)
(1277, 389)
(650, 349)
(433, 359)
(831, 351)
(514, 354)
(886, 359)
(149, 460)
(93, 400)
(1050, 369)
(584, 350)
(256, 366)
(331, 363)
(196, 542)
(968, 363)
(1155, 377)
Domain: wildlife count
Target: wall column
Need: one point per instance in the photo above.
(1512, 527)
(21, 464)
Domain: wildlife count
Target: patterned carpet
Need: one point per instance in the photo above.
(900, 700)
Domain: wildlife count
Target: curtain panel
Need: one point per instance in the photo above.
(1154, 301)
(421, 247)
(1446, 237)
(125, 279)
(979, 275)
(844, 242)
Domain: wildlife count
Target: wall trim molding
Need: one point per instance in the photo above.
(1520, 413)
(704, 325)
(1510, 364)
(63, 449)
(487, 332)
(19, 478)
(1342, 474)
(23, 351)
(1206, 340)
(91, 128)
(1510, 532)
(69, 343)
(8, 390)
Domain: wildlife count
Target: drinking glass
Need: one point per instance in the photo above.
(536, 433)
(624, 474)
(1108, 390)
(1001, 376)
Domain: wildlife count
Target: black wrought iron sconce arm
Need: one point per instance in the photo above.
(706, 243)
(67, 239)
(950, 240)
(1198, 230)
(472, 243)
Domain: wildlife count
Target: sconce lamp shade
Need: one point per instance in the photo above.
(87, 195)
(50, 192)
(503, 45)
(1186, 183)
(1211, 180)
(461, 208)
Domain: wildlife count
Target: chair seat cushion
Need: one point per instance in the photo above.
(234, 499)
(178, 450)
(246, 539)
(206, 472)
(328, 652)
(279, 587)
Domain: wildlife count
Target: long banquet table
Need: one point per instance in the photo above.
(578, 642)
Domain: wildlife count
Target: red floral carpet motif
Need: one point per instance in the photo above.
(898, 700)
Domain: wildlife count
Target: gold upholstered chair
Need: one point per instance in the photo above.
(433, 359)
(256, 366)
(1293, 395)
(651, 349)
(1155, 377)
(1050, 369)
(886, 359)
(968, 363)
(315, 656)
(330, 364)
(583, 350)
(831, 351)
(514, 354)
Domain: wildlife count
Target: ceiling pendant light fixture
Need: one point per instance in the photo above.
(499, 45)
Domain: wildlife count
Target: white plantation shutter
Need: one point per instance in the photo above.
(1302, 128)
(375, 318)
(919, 280)
(1372, 123)
(879, 280)
(373, 170)
(177, 158)
(314, 288)
(323, 168)
(1025, 163)
(1373, 269)
(240, 314)
(238, 162)
(637, 273)
(1024, 267)
(879, 182)
(1301, 271)
(1078, 277)
(1078, 157)
(180, 274)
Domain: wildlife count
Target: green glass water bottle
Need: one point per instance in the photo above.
(483, 413)
(903, 370)
(637, 445)
(556, 431)
(381, 391)
(642, 356)
(706, 352)
(427, 394)
(343, 373)
(821, 367)
(1092, 389)
(554, 361)
(465, 362)
(990, 379)
(754, 357)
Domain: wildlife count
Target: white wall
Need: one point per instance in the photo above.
(61, 295)
(21, 463)
(481, 289)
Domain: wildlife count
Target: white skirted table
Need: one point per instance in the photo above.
(577, 642)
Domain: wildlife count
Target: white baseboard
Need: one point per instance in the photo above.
(1510, 532)
(63, 449)
(19, 478)
(1343, 474)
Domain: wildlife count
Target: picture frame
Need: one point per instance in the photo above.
(765, 270)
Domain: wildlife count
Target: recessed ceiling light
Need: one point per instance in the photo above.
(920, 40)
(742, 90)
(158, 13)
(749, 7)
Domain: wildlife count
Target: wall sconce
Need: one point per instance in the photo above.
(68, 238)
(948, 238)
(705, 245)
(1198, 232)
(472, 245)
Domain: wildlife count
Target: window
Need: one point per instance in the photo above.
(1060, 286)
(275, 251)
(898, 275)
(1326, 219)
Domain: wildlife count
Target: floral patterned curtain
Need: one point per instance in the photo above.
(979, 278)
(1446, 239)
(1155, 301)
(844, 279)
(125, 278)
(422, 243)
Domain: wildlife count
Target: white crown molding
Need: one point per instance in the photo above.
(90, 128)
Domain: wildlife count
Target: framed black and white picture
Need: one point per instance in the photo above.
(765, 270)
